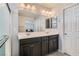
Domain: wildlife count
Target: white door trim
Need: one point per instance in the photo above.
(8, 42)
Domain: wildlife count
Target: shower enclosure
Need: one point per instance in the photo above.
(4, 28)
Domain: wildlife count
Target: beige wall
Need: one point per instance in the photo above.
(21, 23)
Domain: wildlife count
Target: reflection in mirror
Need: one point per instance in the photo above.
(51, 23)
(29, 25)
(26, 24)
(54, 23)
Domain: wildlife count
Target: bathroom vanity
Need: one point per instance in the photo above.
(39, 45)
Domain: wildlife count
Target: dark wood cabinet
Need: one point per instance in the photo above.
(31, 50)
(36, 49)
(44, 45)
(53, 43)
(38, 46)
(30, 47)
(25, 50)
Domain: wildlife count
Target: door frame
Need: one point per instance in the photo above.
(64, 23)
(8, 42)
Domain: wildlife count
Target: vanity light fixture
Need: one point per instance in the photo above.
(34, 9)
(46, 13)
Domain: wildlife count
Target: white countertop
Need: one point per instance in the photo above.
(23, 35)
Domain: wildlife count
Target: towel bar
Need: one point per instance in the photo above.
(3, 39)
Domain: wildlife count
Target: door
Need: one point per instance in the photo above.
(4, 28)
(71, 30)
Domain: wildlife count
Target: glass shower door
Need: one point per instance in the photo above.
(4, 27)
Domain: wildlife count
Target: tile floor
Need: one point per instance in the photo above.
(57, 54)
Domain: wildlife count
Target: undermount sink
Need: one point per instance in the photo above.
(28, 34)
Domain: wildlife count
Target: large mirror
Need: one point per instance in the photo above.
(34, 20)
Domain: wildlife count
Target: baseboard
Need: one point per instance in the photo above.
(67, 54)
(63, 52)
(60, 51)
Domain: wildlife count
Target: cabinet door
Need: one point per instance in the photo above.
(31, 49)
(25, 50)
(44, 46)
(36, 49)
(53, 44)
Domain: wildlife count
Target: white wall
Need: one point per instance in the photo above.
(60, 30)
(15, 45)
(14, 30)
(40, 24)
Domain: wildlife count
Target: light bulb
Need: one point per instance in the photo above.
(33, 8)
(50, 12)
(28, 6)
(43, 11)
(22, 5)
(47, 12)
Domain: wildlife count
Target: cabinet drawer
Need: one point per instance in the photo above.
(29, 41)
(53, 36)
